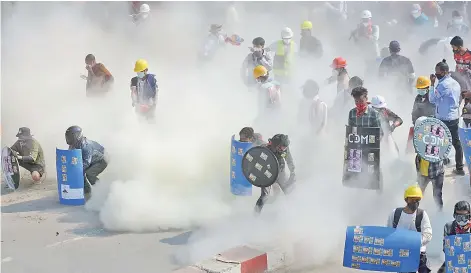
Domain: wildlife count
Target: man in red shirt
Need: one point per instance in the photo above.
(462, 57)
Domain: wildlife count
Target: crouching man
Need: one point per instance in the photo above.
(93, 156)
(29, 153)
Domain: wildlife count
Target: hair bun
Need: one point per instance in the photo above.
(443, 61)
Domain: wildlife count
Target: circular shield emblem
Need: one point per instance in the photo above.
(10, 169)
(432, 139)
(260, 166)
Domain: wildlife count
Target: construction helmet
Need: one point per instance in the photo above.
(423, 82)
(306, 25)
(366, 14)
(259, 71)
(286, 33)
(144, 8)
(413, 191)
(140, 65)
(339, 62)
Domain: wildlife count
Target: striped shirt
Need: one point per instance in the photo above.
(371, 118)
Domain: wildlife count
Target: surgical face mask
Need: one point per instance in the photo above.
(422, 92)
(462, 219)
(141, 74)
(286, 41)
(416, 14)
(144, 15)
(439, 76)
(413, 206)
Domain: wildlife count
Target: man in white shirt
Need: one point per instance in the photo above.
(412, 218)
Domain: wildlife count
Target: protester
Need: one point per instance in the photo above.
(446, 97)
(285, 51)
(412, 218)
(390, 119)
(312, 110)
(363, 115)
(29, 153)
(279, 145)
(339, 74)
(422, 105)
(258, 56)
(457, 26)
(99, 79)
(397, 67)
(309, 46)
(247, 134)
(461, 224)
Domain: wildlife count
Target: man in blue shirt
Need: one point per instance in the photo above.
(446, 97)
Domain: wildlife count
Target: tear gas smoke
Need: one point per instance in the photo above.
(174, 174)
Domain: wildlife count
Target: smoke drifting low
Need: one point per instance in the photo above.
(174, 173)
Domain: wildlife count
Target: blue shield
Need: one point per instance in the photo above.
(382, 249)
(432, 139)
(465, 138)
(69, 166)
(458, 253)
(239, 184)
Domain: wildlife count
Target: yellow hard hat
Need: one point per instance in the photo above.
(140, 65)
(306, 25)
(259, 71)
(413, 191)
(423, 82)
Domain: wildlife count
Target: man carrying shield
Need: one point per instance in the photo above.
(29, 153)
(278, 145)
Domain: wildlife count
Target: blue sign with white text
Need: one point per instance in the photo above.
(239, 184)
(382, 249)
(458, 253)
(69, 167)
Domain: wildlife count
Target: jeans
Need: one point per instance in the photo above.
(286, 186)
(423, 264)
(453, 127)
(91, 174)
(437, 183)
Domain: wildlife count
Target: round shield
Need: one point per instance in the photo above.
(260, 166)
(10, 168)
(432, 139)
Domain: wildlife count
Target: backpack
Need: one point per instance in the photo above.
(418, 218)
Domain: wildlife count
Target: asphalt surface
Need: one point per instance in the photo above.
(40, 235)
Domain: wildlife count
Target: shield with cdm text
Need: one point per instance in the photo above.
(362, 158)
(260, 166)
(432, 139)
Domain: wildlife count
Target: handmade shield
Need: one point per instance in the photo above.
(239, 184)
(382, 249)
(432, 139)
(457, 253)
(465, 138)
(10, 168)
(362, 158)
(69, 166)
(260, 166)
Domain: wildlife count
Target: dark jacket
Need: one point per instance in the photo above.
(92, 152)
(310, 46)
(422, 108)
(449, 229)
(30, 150)
(283, 159)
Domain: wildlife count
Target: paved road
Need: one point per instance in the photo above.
(39, 235)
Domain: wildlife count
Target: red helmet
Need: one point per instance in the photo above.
(339, 62)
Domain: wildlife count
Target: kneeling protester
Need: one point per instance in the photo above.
(29, 153)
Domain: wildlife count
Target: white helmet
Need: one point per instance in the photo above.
(144, 8)
(286, 33)
(378, 102)
(366, 14)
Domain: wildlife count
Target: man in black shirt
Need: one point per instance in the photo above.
(309, 45)
(398, 66)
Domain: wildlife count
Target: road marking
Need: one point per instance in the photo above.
(65, 241)
(7, 259)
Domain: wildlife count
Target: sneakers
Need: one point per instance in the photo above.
(458, 172)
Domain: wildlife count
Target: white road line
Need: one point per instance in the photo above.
(65, 241)
(7, 259)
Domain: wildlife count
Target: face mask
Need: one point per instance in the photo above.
(413, 206)
(456, 51)
(141, 75)
(439, 76)
(286, 41)
(416, 15)
(257, 54)
(365, 24)
(144, 15)
(422, 92)
(462, 220)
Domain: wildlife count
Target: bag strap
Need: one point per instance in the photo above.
(418, 219)
(397, 216)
